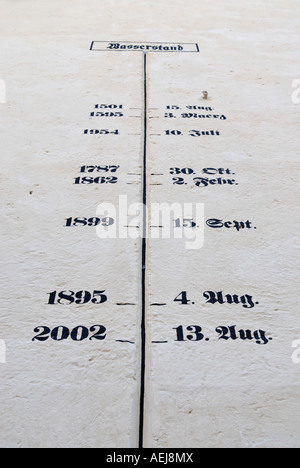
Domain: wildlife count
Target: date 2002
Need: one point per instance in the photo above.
(79, 333)
(183, 334)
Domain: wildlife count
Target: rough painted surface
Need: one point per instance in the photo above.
(214, 393)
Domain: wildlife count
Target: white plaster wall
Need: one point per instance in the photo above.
(198, 394)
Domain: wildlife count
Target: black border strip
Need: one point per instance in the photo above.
(194, 44)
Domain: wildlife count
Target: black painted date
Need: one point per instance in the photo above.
(61, 333)
(195, 333)
(95, 180)
(80, 297)
(104, 168)
(106, 221)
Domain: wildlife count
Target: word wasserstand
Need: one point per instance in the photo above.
(145, 47)
(159, 47)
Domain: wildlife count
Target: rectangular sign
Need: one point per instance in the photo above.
(146, 47)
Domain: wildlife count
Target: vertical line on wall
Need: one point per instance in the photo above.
(144, 260)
